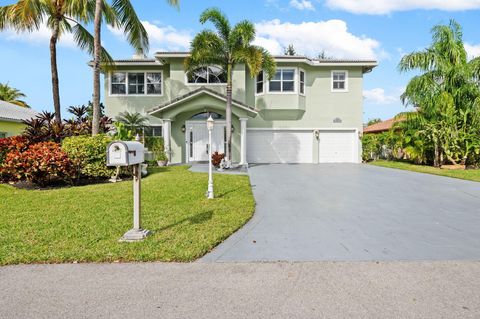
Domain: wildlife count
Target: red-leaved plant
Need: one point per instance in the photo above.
(10, 144)
(42, 164)
(217, 159)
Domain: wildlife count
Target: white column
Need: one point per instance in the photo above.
(167, 133)
(243, 141)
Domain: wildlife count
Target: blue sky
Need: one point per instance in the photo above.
(378, 29)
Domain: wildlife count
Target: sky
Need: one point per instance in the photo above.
(383, 30)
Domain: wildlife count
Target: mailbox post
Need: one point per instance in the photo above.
(128, 153)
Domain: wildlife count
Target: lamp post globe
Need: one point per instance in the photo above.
(210, 123)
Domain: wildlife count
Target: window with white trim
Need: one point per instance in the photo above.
(134, 83)
(302, 82)
(3, 134)
(152, 130)
(119, 83)
(207, 75)
(283, 81)
(339, 81)
(259, 83)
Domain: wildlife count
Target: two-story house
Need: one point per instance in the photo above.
(310, 112)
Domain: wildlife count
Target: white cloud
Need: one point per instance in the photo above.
(162, 37)
(310, 38)
(388, 6)
(302, 5)
(378, 96)
(473, 50)
(38, 37)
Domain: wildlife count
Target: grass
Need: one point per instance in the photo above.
(469, 174)
(83, 224)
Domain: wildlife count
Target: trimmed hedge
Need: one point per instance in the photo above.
(88, 153)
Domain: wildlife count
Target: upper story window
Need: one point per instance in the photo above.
(134, 83)
(339, 81)
(302, 82)
(259, 83)
(207, 75)
(283, 81)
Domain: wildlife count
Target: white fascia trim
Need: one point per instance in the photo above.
(198, 93)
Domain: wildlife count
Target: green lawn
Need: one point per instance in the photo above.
(469, 174)
(84, 223)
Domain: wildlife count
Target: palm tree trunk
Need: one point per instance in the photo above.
(436, 155)
(54, 70)
(228, 114)
(96, 66)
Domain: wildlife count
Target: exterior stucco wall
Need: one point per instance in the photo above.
(11, 128)
(317, 109)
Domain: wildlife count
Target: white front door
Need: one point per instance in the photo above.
(197, 140)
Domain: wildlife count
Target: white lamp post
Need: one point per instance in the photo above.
(210, 123)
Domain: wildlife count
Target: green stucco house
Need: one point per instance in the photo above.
(11, 117)
(310, 112)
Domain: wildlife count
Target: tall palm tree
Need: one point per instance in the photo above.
(12, 95)
(228, 47)
(446, 94)
(60, 16)
(136, 35)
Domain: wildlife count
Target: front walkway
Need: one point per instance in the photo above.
(348, 212)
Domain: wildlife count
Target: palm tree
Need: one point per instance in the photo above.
(12, 95)
(133, 121)
(61, 16)
(446, 95)
(136, 35)
(227, 47)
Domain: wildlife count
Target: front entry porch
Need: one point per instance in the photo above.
(185, 131)
(197, 148)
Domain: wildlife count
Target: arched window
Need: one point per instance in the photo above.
(205, 115)
(207, 75)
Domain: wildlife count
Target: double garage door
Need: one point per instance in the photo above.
(300, 146)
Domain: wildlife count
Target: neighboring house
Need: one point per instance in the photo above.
(310, 112)
(383, 126)
(11, 117)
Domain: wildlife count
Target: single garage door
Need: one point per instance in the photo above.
(279, 146)
(337, 147)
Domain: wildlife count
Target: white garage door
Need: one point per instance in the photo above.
(279, 146)
(337, 147)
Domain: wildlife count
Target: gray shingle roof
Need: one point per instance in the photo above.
(15, 113)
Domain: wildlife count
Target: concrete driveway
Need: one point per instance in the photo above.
(348, 212)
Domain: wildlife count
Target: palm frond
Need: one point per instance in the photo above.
(219, 20)
(85, 41)
(133, 28)
(242, 34)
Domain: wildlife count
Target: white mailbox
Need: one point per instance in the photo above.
(125, 153)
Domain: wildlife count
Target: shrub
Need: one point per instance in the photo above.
(10, 144)
(42, 163)
(217, 159)
(156, 145)
(88, 154)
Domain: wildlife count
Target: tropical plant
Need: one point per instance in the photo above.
(122, 133)
(373, 121)
(120, 14)
(446, 96)
(61, 17)
(12, 95)
(133, 121)
(290, 50)
(41, 163)
(87, 154)
(227, 47)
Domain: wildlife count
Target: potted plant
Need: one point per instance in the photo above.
(161, 158)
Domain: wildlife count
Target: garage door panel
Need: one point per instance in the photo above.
(279, 146)
(337, 147)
